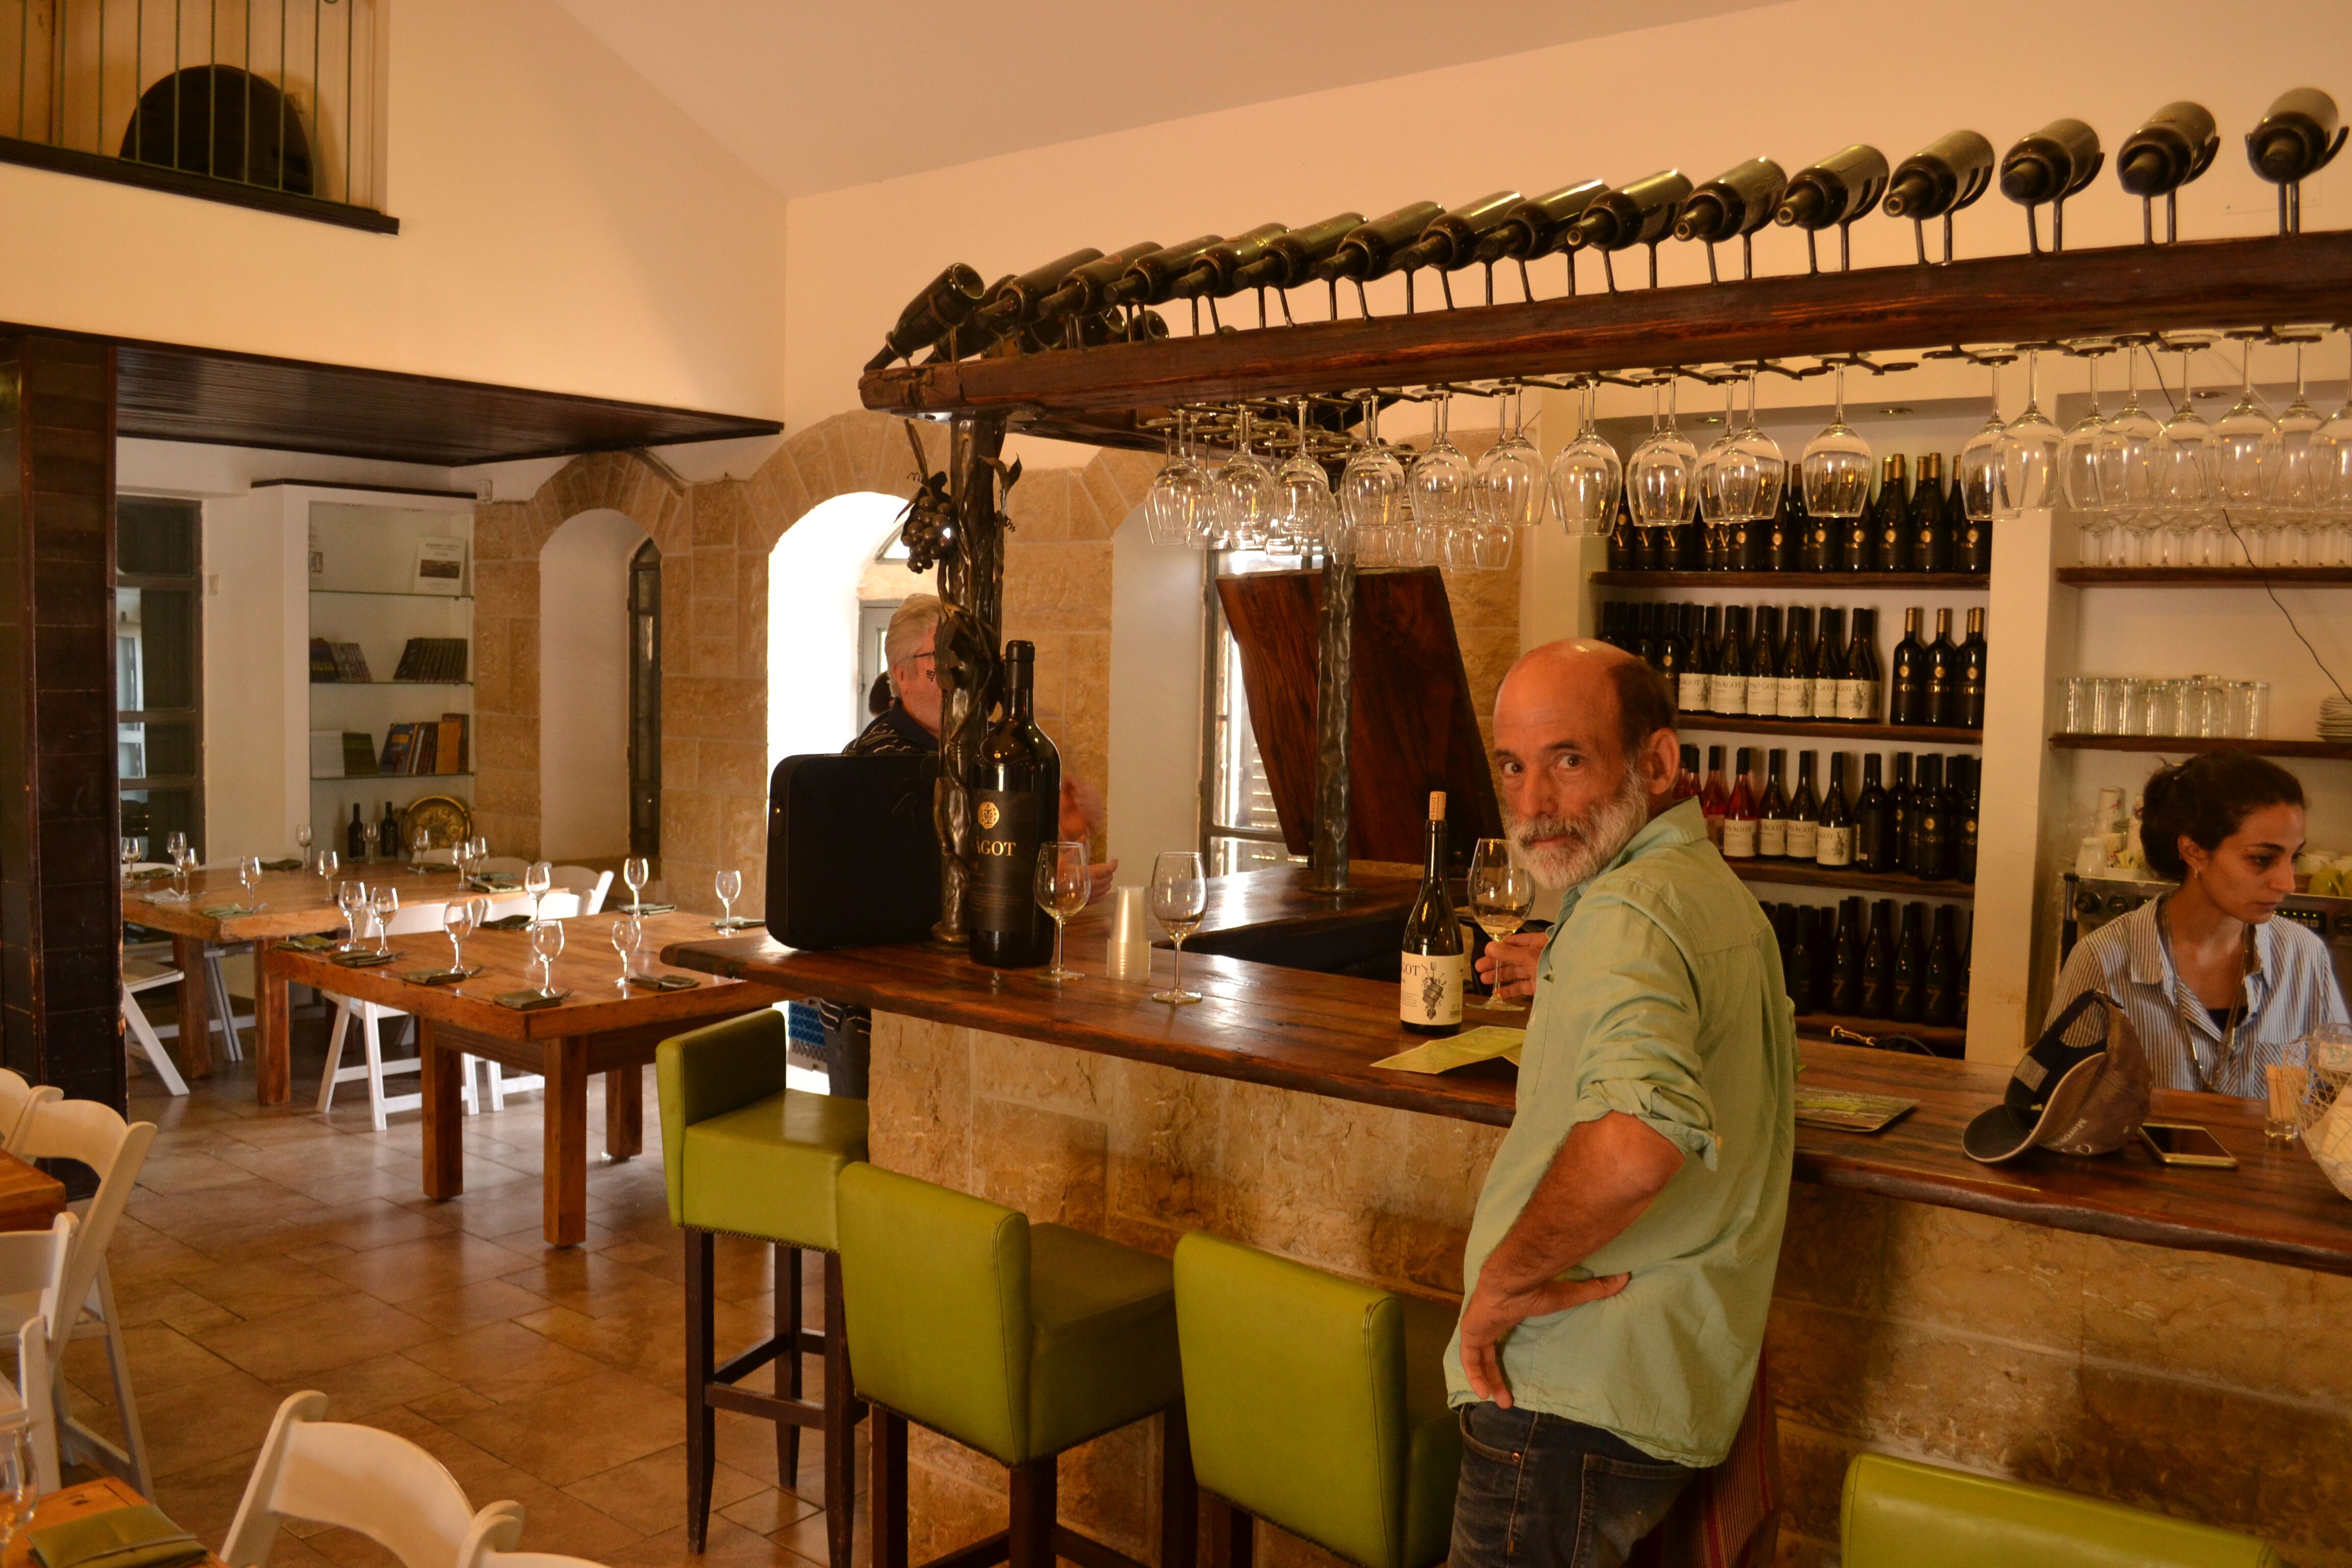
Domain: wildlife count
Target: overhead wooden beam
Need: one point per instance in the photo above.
(2223, 283)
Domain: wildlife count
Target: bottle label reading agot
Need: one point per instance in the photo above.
(1431, 992)
(1004, 892)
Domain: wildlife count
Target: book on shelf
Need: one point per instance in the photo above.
(397, 741)
(359, 754)
(437, 660)
(323, 670)
(450, 750)
(423, 755)
(326, 753)
(351, 664)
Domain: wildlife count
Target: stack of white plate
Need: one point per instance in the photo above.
(2334, 719)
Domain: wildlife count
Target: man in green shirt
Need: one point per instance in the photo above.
(1622, 1252)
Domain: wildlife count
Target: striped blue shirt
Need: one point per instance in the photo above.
(2290, 990)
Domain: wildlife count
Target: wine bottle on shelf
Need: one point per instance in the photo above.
(1964, 811)
(1945, 174)
(1890, 518)
(1857, 686)
(1754, 545)
(1833, 838)
(1839, 189)
(1641, 213)
(1772, 812)
(1717, 552)
(1971, 543)
(1687, 546)
(1428, 984)
(1740, 813)
(1899, 802)
(1797, 958)
(1858, 535)
(1873, 821)
(1829, 663)
(1687, 776)
(1648, 635)
(1649, 549)
(1931, 823)
(1943, 673)
(1796, 666)
(355, 837)
(1907, 701)
(1822, 982)
(1878, 962)
(1940, 992)
(1714, 796)
(1726, 686)
(1818, 548)
(1621, 552)
(1845, 974)
(1764, 664)
(1016, 806)
(1691, 675)
(1968, 957)
(1674, 647)
(387, 834)
(946, 301)
(1804, 812)
(1931, 518)
(2054, 163)
(1785, 539)
(1969, 713)
(1911, 966)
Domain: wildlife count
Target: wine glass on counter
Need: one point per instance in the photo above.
(1587, 477)
(729, 886)
(636, 873)
(248, 876)
(1179, 898)
(546, 946)
(461, 918)
(132, 849)
(327, 864)
(537, 878)
(303, 839)
(1836, 465)
(1065, 882)
(420, 844)
(353, 899)
(1502, 893)
(628, 936)
(385, 899)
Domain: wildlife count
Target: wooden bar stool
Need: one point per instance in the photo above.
(744, 1154)
(1315, 1403)
(1019, 1340)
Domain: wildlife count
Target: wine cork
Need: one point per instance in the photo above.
(1437, 805)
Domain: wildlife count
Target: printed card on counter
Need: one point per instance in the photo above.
(1483, 1043)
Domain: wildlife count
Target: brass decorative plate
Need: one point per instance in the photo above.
(447, 818)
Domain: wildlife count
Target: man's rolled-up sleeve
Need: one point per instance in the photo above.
(1638, 1019)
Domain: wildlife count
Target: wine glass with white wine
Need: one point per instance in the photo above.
(1179, 898)
(1502, 893)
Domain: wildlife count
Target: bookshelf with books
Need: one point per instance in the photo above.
(391, 659)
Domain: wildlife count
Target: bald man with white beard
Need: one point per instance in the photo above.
(1622, 1254)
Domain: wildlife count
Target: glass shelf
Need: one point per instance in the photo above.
(350, 683)
(384, 778)
(395, 594)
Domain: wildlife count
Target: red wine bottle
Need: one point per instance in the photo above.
(1016, 798)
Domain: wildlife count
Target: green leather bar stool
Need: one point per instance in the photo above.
(1318, 1405)
(1924, 1516)
(1019, 1340)
(746, 1155)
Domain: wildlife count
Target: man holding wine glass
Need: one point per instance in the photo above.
(1622, 1252)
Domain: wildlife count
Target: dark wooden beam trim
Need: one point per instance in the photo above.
(367, 489)
(2220, 283)
(185, 183)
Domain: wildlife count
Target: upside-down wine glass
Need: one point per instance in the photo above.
(2331, 478)
(1065, 882)
(1508, 486)
(1658, 477)
(2127, 476)
(1178, 508)
(2184, 467)
(729, 886)
(1751, 473)
(2245, 467)
(1302, 505)
(460, 918)
(546, 943)
(1502, 893)
(1439, 481)
(1246, 495)
(2294, 498)
(2078, 474)
(1836, 466)
(1371, 496)
(1179, 898)
(2028, 450)
(1587, 477)
(628, 936)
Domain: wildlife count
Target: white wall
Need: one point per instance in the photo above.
(584, 711)
(257, 719)
(813, 703)
(563, 226)
(1156, 631)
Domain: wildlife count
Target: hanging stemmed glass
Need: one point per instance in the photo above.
(1246, 495)
(2127, 476)
(1439, 481)
(2028, 450)
(1836, 466)
(2078, 474)
(1976, 472)
(1508, 486)
(1705, 497)
(2294, 496)
(1372, 494)
(2331, 479)
(2184, 467)
(1303, 507)
(1587, 477)
(1658, 480)
(1749, 475)
(1181, 493)
(2245, 457)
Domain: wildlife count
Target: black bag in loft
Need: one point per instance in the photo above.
(852, 859)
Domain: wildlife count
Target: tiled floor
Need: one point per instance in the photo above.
(270, 1251)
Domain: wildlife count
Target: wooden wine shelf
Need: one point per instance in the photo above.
(1941, 1038)
(1826, 729)
(2182, 745)
(1804, 873)
(2200, 576)
(1962, 581)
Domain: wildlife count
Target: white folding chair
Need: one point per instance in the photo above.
(415, 921)
(18, 1096)
(139, 975)
(92, 1134)
(592, 886)
(361, 1478)
(488, 1546)
(554, 906)
(33, 1263)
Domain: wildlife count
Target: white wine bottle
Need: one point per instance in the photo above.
(1429, 981)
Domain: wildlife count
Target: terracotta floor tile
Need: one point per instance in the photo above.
(729, 1544)
(770, 1509)
(805, 1537)
(288, 1346)
(197, 1321)
(590, 1284)
(159, 1355)
(558, 1521)
(449, 1405)
(264, 1286)
(484, 1474)
(427, 1266)
(349, 1548)
(502, 1362)
(202, 1499)
(569, 1433)
(155, 1302)
(649, 1494)
(361, 1389)
(191, 1424)
(190, 1172)
(469, 1306)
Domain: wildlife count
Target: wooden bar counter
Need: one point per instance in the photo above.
(2170, 1337)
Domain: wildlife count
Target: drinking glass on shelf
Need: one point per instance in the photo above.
(1976, 472)
(2254, 709)
(2081, 705)
(385, 899)
(1658, 477)
(2029, 451)
(1245, 492)
(354, 900)
(2129, 717)
(460, 918)
(1065, 882)
(1587, 477)
(248, 876)
(546, 943)
(1490, 549)
(729, 886)
(636, 873)
(2158, 700)
(1179, 898)
(1836, 466)
(539, 876)
(1502, 893)
(2105, 697)
(628, 936)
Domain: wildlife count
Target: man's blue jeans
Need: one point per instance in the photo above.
(1541, 1491)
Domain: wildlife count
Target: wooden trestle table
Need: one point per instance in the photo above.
(597, 1028)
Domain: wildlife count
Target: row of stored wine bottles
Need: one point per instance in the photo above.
(1926, 826)
(1868, 963)
(1904, 529)
(1759, 663)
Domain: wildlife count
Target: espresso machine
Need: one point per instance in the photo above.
(2092, 901)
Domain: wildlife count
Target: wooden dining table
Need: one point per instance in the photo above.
(286, 904)
(104, 1495)
(598, 1027)
(29, 1196)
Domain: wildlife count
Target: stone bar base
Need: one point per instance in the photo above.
(2188, 1383)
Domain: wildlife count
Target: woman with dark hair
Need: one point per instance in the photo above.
(2214, 987)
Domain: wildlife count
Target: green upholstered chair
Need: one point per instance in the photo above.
(746, 1155)
(1923, 1516)
(1019, 1341)
(1315, 1403)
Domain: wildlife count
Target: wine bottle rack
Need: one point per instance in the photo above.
(1811, 582)
(1827, 729)
(1889, 884)
(2181, 745)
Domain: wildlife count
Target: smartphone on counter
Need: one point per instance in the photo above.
(2186, 1144)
